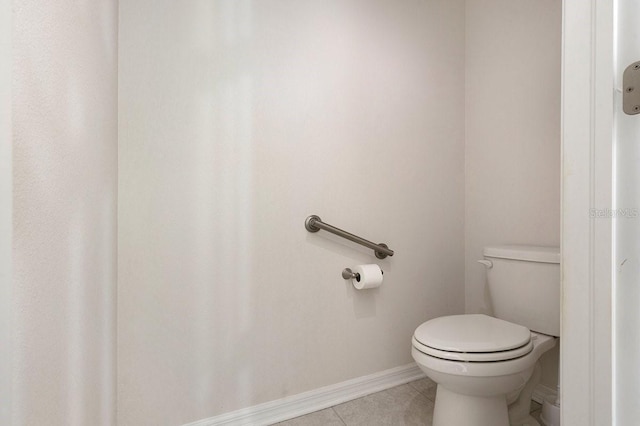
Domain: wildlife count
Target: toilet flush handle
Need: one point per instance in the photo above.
(487, 263)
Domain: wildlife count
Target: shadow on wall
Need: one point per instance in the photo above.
(64, 247)
(222, 216)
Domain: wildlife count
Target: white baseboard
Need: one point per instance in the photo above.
(314, 400)
(541, 392)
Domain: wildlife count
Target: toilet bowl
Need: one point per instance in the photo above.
(486, 367)
(480, 368)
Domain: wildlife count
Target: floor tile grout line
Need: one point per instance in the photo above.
(421, 392)
(336, 413)
(424, 395)
(414, 387)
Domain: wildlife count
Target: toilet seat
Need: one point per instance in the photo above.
(472, 338)
(541, 343)
(474, 356)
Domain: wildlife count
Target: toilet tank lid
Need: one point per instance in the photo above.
(526, 253)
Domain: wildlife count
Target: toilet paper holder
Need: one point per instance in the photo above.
(348, 274)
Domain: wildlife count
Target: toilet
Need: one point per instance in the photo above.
(486, 367)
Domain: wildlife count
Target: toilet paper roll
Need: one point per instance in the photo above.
(370, 276)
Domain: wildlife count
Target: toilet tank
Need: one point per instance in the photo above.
(524, 286)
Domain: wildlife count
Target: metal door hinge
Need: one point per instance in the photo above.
(631, 89)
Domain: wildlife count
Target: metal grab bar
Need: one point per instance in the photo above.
(313, 224)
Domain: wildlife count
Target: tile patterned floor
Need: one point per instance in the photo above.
(409, 405)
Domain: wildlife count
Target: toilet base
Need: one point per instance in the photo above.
(478, 410)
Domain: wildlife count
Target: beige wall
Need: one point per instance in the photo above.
(64, 212)
(5, 212)
(237, 120)
(512, 134)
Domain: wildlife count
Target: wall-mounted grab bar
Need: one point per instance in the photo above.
(313, 224)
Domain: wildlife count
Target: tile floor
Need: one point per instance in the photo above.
(410, 404)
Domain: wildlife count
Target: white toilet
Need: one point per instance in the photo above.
(486, 367)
